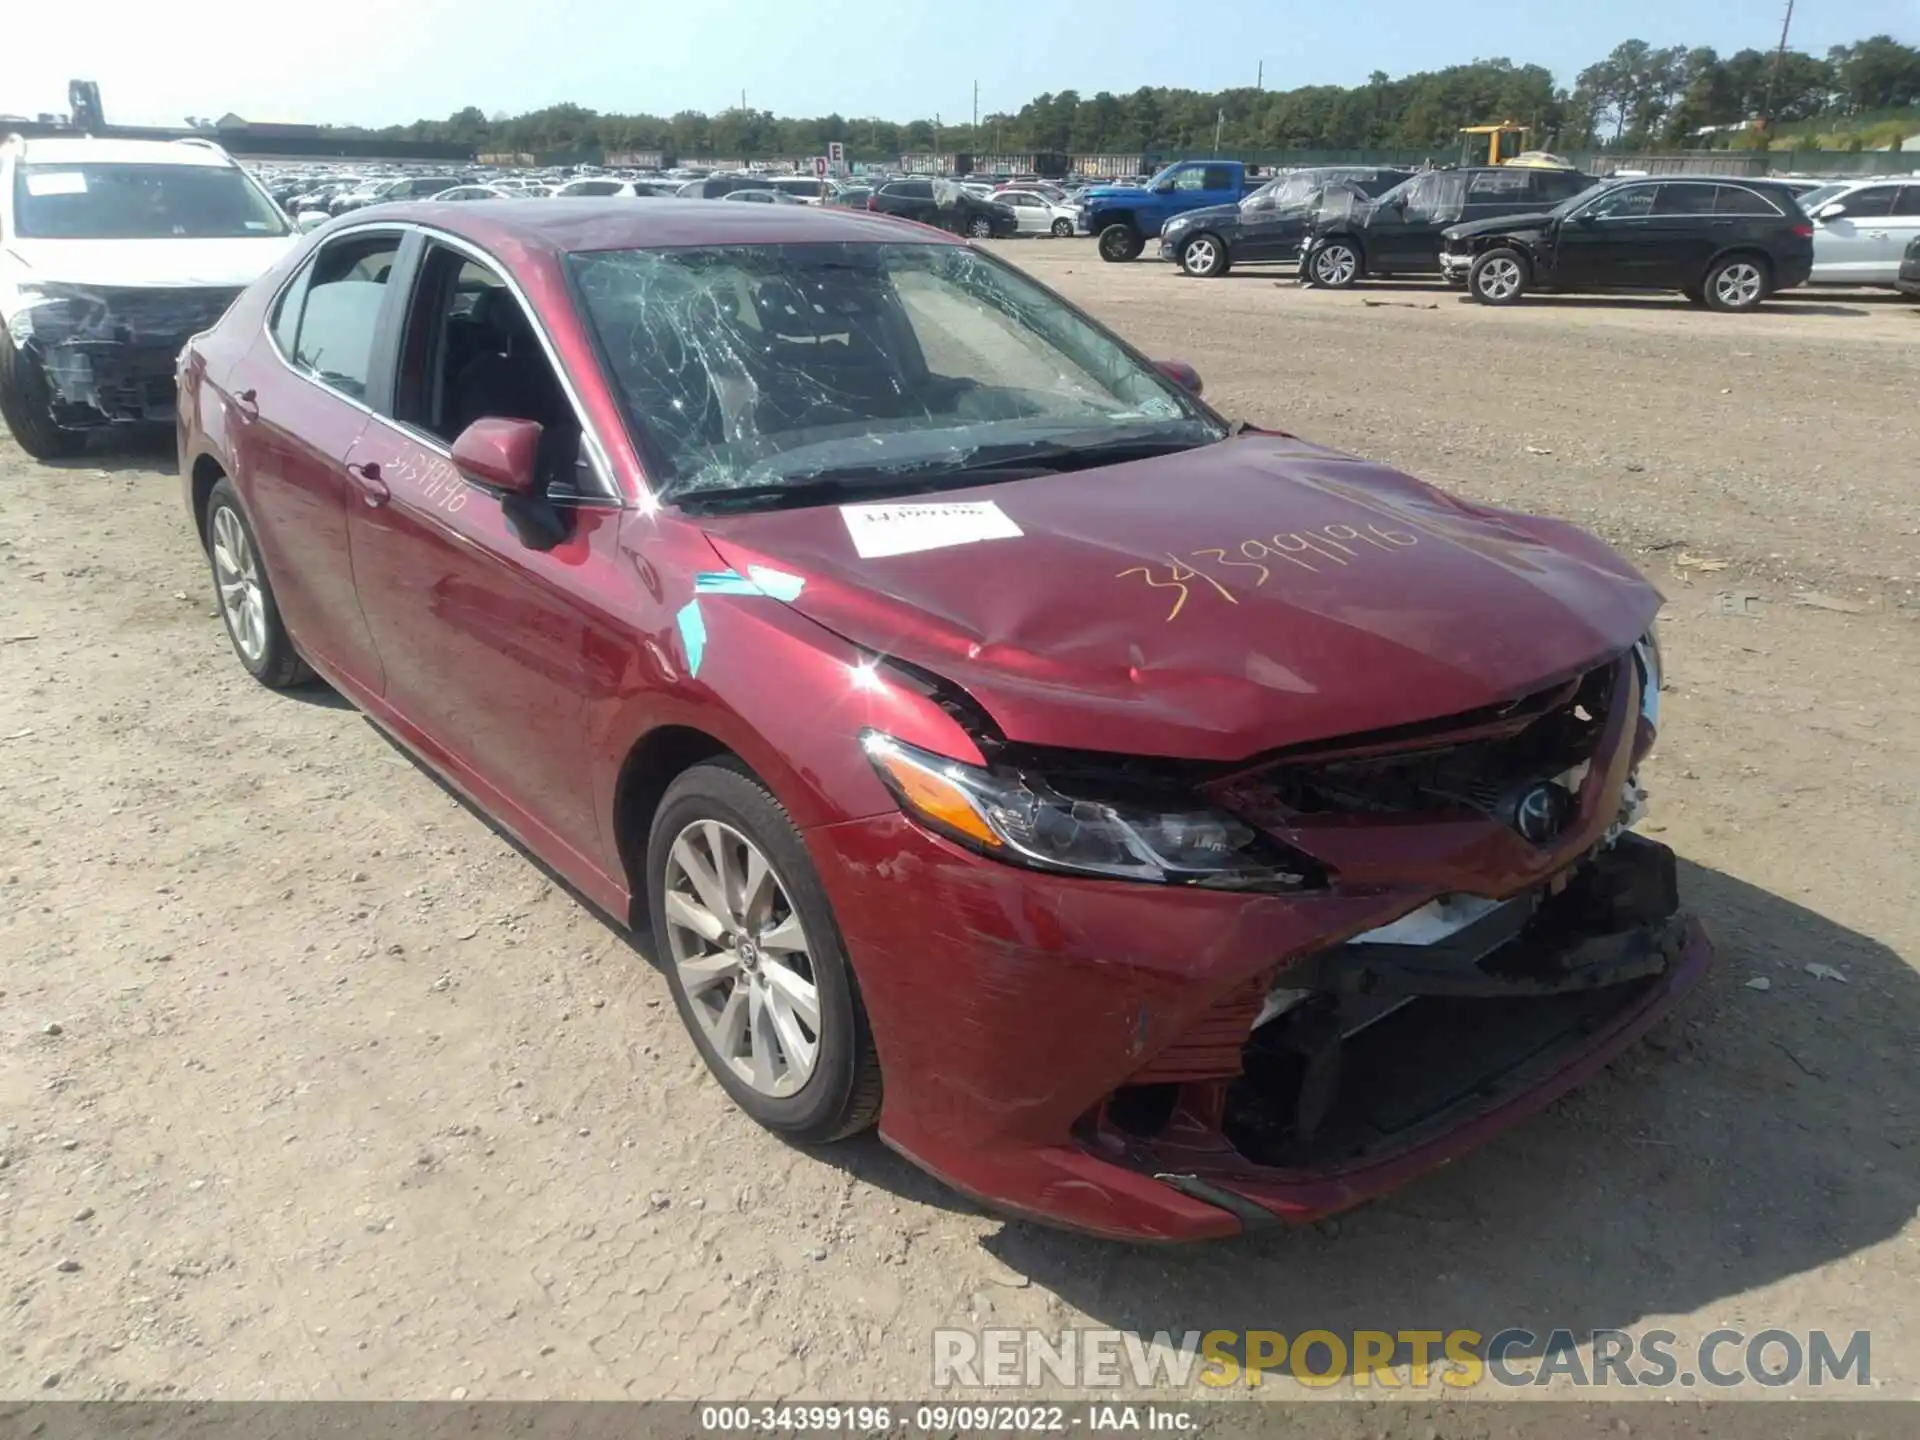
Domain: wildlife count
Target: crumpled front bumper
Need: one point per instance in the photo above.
(1455, 267)
(108, 355)
(1008, 1006)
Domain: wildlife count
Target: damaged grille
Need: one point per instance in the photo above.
(108, 352)
(1473, 762)
(131, 315)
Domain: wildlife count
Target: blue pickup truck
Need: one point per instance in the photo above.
(1125, 217)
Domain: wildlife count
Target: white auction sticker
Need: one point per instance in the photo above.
(880, 530)
(57, 182)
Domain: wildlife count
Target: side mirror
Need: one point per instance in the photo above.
(499, 454)
(1585, 217)
(1181, 373)
(1831, 211)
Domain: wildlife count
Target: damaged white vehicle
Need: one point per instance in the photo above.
(112, 254)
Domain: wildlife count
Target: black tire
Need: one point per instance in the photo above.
(1062, 229)
(1498, 276)
(1736, 284)
(980, 228)
(27, 404)
(277, 665)
(1334, 264)
(1205, 256)
(841, 1096)
(1121, 243)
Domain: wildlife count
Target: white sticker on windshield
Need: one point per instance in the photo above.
(58, 182)
(881, 530)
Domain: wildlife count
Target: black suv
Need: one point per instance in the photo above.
(1723, 242)
(1399, 233)
(1268, 225)
(945, 204)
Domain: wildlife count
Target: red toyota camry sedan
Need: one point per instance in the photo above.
(1156, 825)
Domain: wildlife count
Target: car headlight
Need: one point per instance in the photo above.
(50, 309)
(1021, 819)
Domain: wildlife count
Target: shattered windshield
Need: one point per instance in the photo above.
(140, 202)
(758, 368)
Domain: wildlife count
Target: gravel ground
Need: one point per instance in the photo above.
(312, 1086)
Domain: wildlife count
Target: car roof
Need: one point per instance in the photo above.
(1764, 182)
(84, 151)
(563, 225)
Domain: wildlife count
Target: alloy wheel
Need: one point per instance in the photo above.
(1200, 256)
(1499, 278)
(980, 228)
(237, 574)
(1335, 265)
(1738, 285)
(743, 957)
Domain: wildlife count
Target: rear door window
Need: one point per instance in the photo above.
(1738, 200)
(1908, 201)
(1684, 199)
(1217, 177)
(1486, 187)
(346, 292)
(1553, 186)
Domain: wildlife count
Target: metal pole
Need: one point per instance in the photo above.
(1773, 77)
(1260, 77)
(1219, 119)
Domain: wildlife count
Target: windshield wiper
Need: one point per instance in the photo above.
(821, 488)
(1059, 455)
(980, 464)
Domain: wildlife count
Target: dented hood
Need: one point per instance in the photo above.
(1215, 604)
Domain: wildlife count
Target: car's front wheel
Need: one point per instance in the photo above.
(27, 404)
(1205, 256)
(980, 228)
(1736, 283)
(754, 957)
(1333, 264)
(1120, 243)
(246, 596)
(1062, 229)
(1499, 277)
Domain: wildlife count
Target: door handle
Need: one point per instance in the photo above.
(373, 489)
(247, 402)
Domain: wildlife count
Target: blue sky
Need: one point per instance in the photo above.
(385, 61)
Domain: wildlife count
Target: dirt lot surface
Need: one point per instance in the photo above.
(313, 1086)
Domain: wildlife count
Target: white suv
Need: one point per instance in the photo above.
(1862, 228)
(113, 253)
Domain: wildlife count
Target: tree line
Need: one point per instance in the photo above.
(1639, 96)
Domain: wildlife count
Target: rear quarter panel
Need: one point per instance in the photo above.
(208, 362)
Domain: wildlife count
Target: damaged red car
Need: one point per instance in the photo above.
(1155, 825)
